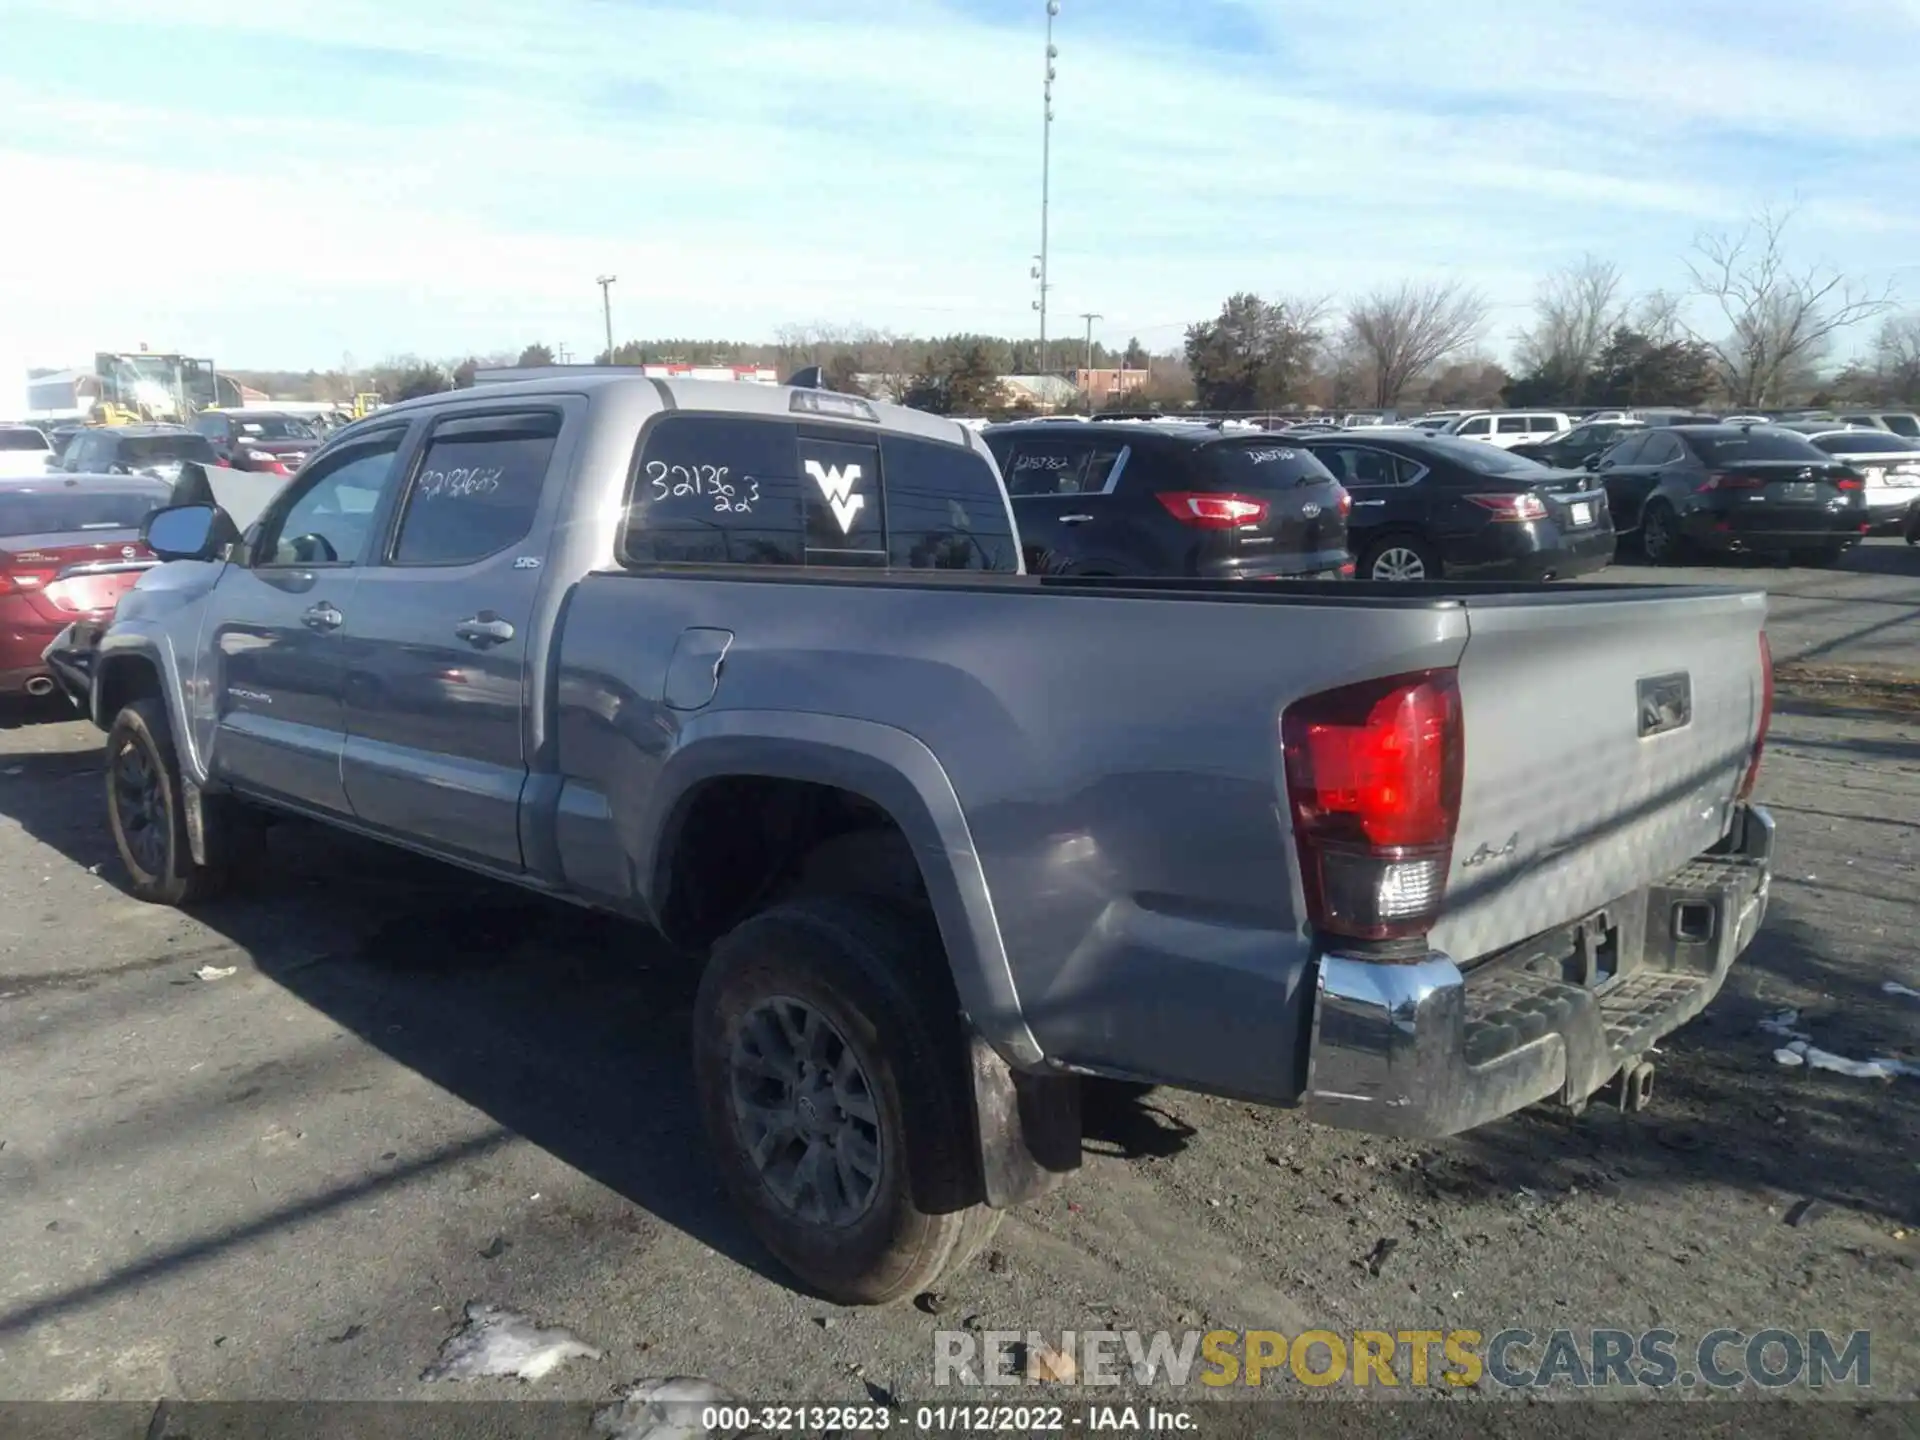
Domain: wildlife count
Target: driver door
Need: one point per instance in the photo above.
(277, 625)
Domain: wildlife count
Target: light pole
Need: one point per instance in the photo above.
(605, 283)
(1046, 178)
(1090, 316)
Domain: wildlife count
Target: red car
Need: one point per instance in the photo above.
(69, 549)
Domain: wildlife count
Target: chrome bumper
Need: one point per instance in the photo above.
(1425, 1050)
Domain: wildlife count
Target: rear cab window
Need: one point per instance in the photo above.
(749, 490)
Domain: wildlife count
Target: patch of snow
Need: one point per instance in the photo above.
(498, 1342)
(1785, 1023)
(1814, 1058)
(665, 1409)
(1894, 987)
(215, 972)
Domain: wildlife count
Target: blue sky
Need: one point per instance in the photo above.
(285, 182)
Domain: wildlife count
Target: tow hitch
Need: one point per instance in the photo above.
(1632, 1088)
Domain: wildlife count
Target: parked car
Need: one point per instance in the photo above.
(266, 441)
(756, 666)
(1571, 449)
(24, 450)
(1507, 428)
(61, 436)
(1171, 499)
(1899, 422)
(156, 450)
(1430, 507)
(70, 547)
(1736, 488)
(1890, 465)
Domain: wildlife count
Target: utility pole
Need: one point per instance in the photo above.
(1090, 316)
(1046, 178)
(605, 283)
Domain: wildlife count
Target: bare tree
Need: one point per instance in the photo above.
(1896, 353)
(1404, 333)
(1656, 315)
(1781, 319)
(1577, 310)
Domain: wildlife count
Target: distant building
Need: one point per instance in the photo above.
(671, 370)
(1045, 393)
(1100, 386)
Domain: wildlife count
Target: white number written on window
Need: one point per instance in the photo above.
(707, 482)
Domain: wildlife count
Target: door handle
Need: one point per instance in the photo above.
(1075, 519)
(484, 629)
(1358, 503)
(322, 617)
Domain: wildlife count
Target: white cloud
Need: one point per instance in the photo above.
(741, 164)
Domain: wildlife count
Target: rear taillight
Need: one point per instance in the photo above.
(1347, 570)
(1512, 507)
(1212, 511)
(1373, 780)
(1766, 717)
(16, 579)
(1346, 503)
(267, 464)
(1849, 481)
(1723, 480)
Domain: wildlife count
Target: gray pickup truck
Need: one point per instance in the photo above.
(757, 666)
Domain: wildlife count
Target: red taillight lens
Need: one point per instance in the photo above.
(1722, 480)
(1346, 502)
(1848, 482)
(1213, 512)
(1346, 570)
(1512, 507)
(223, 462)
(1766, 717)
(1373, 780)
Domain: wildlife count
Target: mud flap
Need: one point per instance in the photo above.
(1028, 1127)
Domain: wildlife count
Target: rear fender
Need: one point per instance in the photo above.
(894, 771)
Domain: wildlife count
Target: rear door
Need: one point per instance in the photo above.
(1064, 494)
(1627, 481)
(439, 640)
(1385, 490)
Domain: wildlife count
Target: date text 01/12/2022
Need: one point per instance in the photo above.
(941, 1419)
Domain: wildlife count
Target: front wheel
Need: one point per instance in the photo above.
(832, 1073)
(146, 809)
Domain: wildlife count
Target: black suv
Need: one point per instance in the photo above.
(1102, 497)
(135, 450)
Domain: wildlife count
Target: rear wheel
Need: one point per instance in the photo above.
(1400, 557)
(1660, 539)
(833, 1084)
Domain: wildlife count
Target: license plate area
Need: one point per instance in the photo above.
(1581, 512)
(1797, 491)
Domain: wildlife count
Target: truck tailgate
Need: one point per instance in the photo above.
(1605, 744)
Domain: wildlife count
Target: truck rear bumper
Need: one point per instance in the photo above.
(1424, 1050)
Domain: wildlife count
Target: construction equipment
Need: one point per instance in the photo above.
(149, 386)
(365, 403)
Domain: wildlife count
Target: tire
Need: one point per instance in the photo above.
(147, 813)
(1661, 542)
(1819, 557)
(836, 977)
(1402, 554)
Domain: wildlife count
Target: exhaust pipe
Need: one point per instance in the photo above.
(40, 686)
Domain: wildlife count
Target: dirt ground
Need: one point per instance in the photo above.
(417, 1090)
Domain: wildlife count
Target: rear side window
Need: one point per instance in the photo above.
(1542, 425)
(716, 490)
(1512, 425)
(738, 490)
(1480, 425)
(944, 510)
(1045, 466)
(1628, 450)
(162, 449)
(476, 489)
(1262, 466)
(23, 439)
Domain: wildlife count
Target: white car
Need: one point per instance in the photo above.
(24, 451)
(1507, 428)
(1898, 422)
(1891, 464)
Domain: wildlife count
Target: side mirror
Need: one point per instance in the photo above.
(189, 532)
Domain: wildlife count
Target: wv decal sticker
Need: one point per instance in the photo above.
(836, 484)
